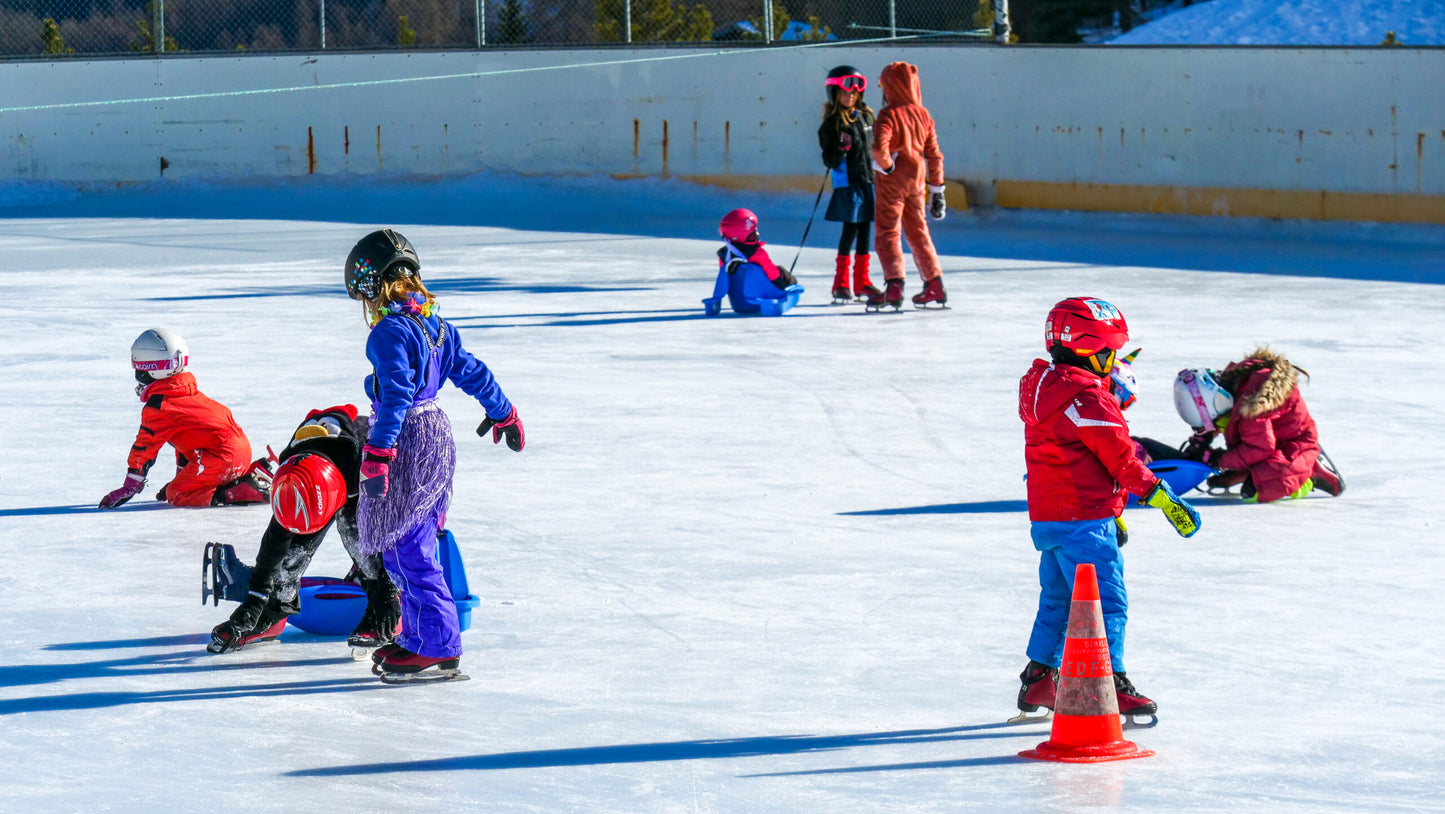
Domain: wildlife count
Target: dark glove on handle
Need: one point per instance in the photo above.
(511, 427)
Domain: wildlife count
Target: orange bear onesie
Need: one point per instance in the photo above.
(906, 155)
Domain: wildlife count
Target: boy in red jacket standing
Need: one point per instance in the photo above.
(1081, 463)
(213, 457)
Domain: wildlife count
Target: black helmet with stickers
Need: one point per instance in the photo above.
(380, 257)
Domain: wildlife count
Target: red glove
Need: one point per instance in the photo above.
(511, 427)
(375, 468)
(134, 482)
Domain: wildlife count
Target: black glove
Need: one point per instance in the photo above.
(937, 207)
(510, 427)
(785, 279)
(1198, 445)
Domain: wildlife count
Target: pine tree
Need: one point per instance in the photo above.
(653, 21)
(145, 43)
(405, 36)
(512, 20)
(54, 42)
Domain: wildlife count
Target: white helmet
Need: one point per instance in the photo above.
(1199, 398)
(159, 353)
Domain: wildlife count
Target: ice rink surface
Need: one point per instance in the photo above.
(743, 565)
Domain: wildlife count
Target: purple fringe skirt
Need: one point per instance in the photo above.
(420, 480)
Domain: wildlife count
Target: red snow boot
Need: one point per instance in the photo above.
(841, 291)
(863, 286)
(932, 292)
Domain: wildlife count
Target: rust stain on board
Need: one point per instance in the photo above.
(636, 136)
(346, 140)
(378, 147)
(664, 148)
(310, 152)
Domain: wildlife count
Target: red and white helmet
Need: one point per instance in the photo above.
(739, 226)
(1085, 326)
(1199, 398)
(306, 492)
(159, 353)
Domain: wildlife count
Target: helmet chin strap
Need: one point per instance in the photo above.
(1102, 367)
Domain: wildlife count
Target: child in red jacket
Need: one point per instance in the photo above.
(1081, 463)
(1272, 448)
(213, 457)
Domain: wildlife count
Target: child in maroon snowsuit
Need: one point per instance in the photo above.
(1271, 442)
(410, 456)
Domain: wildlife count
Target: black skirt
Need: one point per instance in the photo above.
(851, 204)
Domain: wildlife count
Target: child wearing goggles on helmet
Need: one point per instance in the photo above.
(846, 136)
(213, 457)
(1081, 465)
(410, 456)
(752, 282)
(1271, 445)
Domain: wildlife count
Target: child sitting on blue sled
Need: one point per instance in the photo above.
(752, 282)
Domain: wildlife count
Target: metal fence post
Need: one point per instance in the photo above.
(481, 23)
(768, 21)
(159, 28)
(627, 20)
(321, 20)
(893, 19)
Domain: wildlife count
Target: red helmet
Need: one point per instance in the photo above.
(306, 492)
(1085, 326)
(739, 225)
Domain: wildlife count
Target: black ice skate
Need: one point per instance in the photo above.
(380, 623)
(1040, 686)
(1133, 705)
(249, 624)
(223, 575)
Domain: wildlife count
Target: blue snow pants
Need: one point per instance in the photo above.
(429, 624)
(1062, 546)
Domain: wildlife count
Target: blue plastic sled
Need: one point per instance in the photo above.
(749, 291)
(333, 607)
(1182, 475)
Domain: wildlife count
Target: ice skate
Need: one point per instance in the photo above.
(402, 666)
(1137, 710)
(1326, 477)
(249, 624)
(842, 294)
(1040, 686)
(381, 622)
(252, 487)
(863, 286)
(893, 294)
(932, 293)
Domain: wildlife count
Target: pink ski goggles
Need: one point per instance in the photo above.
(855, 83)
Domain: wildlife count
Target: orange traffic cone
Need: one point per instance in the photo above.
(1086, 712)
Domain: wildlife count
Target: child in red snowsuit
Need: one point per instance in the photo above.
(1081, 462)
(213, 457)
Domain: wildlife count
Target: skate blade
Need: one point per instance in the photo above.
(1026, 718)
(931, 307)
(1136, 721)
(424, 677)
(360, 653)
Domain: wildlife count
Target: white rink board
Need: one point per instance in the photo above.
(1331, 119)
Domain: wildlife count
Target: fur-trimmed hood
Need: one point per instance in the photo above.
(1261, 381)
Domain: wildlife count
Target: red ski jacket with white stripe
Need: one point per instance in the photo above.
(1076, 444)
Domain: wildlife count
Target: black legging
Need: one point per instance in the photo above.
(856, 235)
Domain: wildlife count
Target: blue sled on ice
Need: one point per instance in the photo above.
(749, 291)
(1182, 475)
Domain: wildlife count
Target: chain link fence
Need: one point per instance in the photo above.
(60, 28)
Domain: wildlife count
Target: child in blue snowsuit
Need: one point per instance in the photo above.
(410, 456)
(749, 278)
